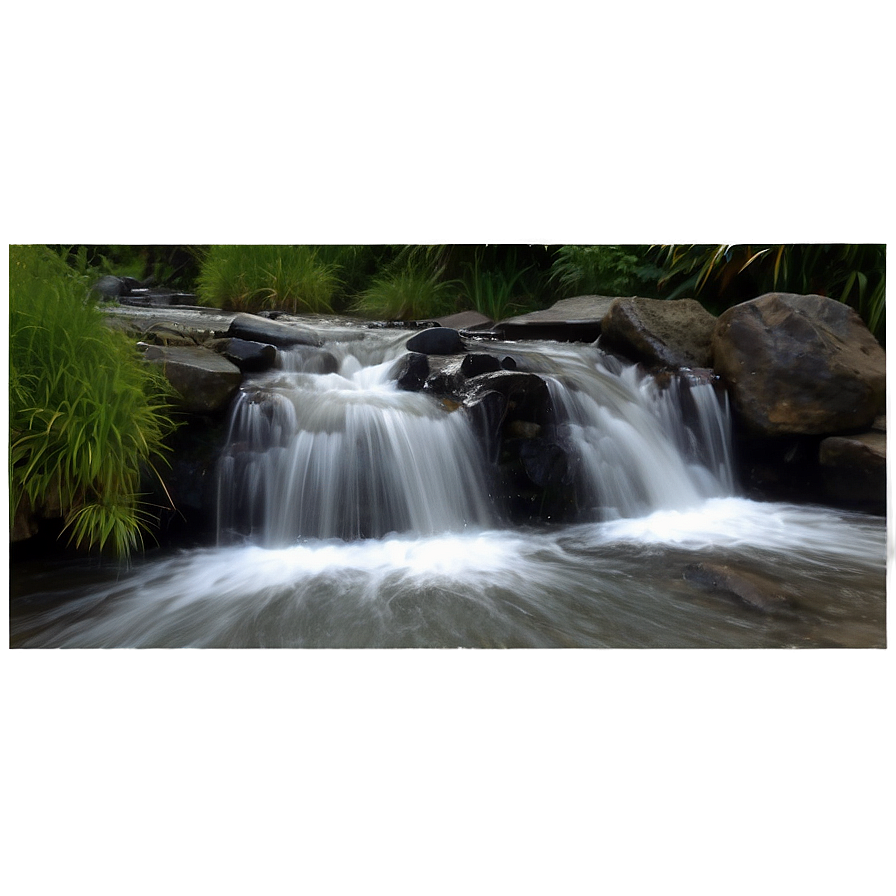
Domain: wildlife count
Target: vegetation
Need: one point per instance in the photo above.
(84, 414)
(605, 271)
(723, 275)
(252, 278)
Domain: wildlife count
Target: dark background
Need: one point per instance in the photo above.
(381, 124)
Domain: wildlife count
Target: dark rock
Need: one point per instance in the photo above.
(258, 329)
(750, 589)
(570, 320)
(479, 363)
(111, 287)
(436, 341)
(660, 333)
(799, 365)
(545, 462)
(250, 357)
(168, 333)
(854, 468)
(486, 412)
(410, 371)
(203, 379)
(527, 395)
(508, 363)
(445, 379)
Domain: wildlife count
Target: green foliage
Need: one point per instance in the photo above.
(726, 274)
(251, 278)
(604, 270)
(494, 292)
(84, 413)
(409, 291)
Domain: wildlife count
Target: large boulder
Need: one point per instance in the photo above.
(803, 365)
(204, 380)
(275, 332)
(660, 333)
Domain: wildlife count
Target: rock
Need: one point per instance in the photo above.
(750, 589)
(526, 394)
(250, 357)
(203, 379)
(436, 341)
(168, 333)
(410, 371)
(854, 468)
(799, 365)
(259, 329)
(309, 359)
(479, 363)
(660, 333)
(545, 462)
(465, 320)
(570, 320)
(111, 287)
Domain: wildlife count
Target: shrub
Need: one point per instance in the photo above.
(604, 270)
(410, 291)
(250, 278)
(84, 413)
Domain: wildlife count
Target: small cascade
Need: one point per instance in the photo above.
(347, 455)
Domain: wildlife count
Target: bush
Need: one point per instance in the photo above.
(604, 270)
(84, 413)
(411, 291)
(251, 278)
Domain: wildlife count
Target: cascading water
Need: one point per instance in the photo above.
(347, 455)
(354, 514)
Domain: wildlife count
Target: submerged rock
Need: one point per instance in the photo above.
(750, 589)
(799, 365)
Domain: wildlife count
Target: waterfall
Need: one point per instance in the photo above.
(347, 455)
(335, 450)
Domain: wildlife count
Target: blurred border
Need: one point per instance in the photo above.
(438, 772)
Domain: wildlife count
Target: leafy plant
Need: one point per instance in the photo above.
(493, 292)
(250, 278)
(604, 270)
(84, 413)
(408, 292)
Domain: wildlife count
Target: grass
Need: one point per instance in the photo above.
(253, 278)
(85, 415)
(408, 292)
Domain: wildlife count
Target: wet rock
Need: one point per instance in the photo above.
(545, 462)
(250, 357)
(527, 395)
(799, 365)
(445, 379)
(750, 589)
(111, 287)
(436, 341)
(410, 372)
(479, 363)
(274, 332)
(168, 333)
(660, 333)
(203, 379)
(465, 320)
(508, 363)
(854, 468)
(310, 359)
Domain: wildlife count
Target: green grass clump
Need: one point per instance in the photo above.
(409, 292)
(84, 413)
(253, 278)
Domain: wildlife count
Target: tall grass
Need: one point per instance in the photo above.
(84, 413)
(408, 292)
(252, 278)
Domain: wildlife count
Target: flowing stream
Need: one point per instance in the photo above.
(354, 514)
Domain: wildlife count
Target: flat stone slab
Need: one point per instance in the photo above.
(204, 380)
(570, 320)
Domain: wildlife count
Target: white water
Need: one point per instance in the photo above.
(370, 524)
